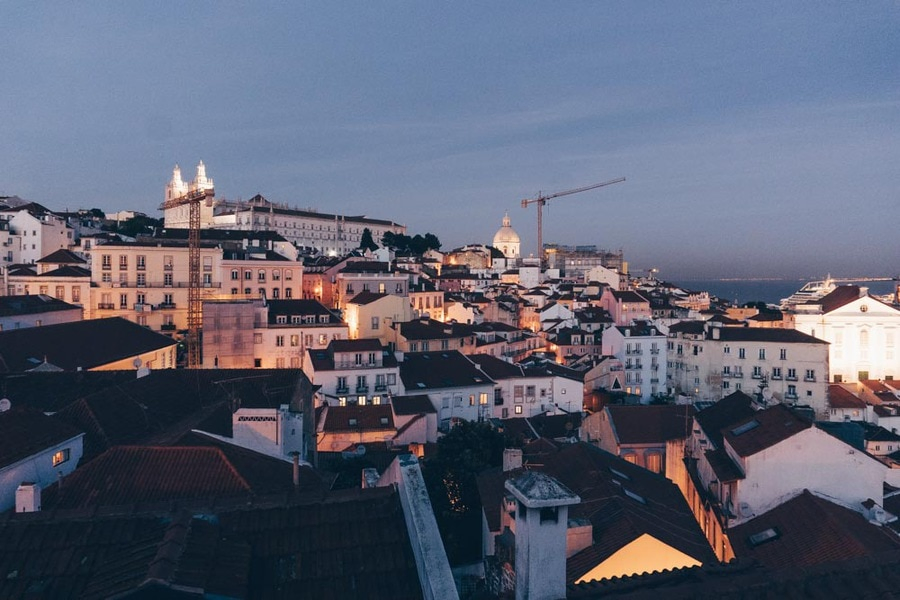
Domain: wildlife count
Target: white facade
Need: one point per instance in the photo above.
(34, 237)
(711, 363)
(506, 240)
(642, 352)
(42, 468)
(178, 217)
(272, 431)
(864, 335)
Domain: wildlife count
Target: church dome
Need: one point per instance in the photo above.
(507, 240)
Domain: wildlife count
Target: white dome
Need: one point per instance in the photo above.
(507, 240)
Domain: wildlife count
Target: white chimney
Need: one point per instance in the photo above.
(512, 459)
(28, 497)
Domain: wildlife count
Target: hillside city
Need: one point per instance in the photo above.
(245, 399)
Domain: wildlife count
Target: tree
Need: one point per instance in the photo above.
(466, 450)
(367, 243)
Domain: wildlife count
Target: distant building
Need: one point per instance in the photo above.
(863, 333)
(506, 240)
(17, 312)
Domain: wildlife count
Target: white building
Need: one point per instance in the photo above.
(863, 333)
(354, 372)
(454, 383)
(707, 362)
(641, 348)
(34, 232)
(178, 217)
(38, 450)
(506, 240)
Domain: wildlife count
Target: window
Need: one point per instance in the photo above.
(279, 363)
(123, 300)
(295, 340)
(141, 299)
(810, 375)
(235, 275)
(141, 279)
(279, 340)
(776, 372)
(261, 275)
(483, 398)
(550, 514)
(288, 293)
(725, 350)
(782, 354)
(60, 292)
(375, 323)
(742, 353)
(257, 363)
(141, 262)
(342, 383)
(288, 275)
(123, 261)
(792, 391)
(76, 294)
(380, 288)
(762, 354)
(106, 261)
(60, 456)
(248, 275)
(168, 299)
(757, 372)
(167, 279)
(519, 409)
(792, 374)
(106, 278)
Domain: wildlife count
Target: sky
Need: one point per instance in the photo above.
(756, 138)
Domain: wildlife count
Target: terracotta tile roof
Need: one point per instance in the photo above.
(763, 430)
(731, 409)
(371, 417)
(62, 257)
(148, 474)
(810, 530)
(412, 405)
(299, 307)
(868, 577)
(841, 295)
(496, 368)
(840, 397)
(360, 345)
(24, 433)
(32, 304)
(650, 424)
(723, 466)
(436, 370)
(422, 329)
(66, 271)
(763, 334)
(366, 297)
(346, 545)
(628, 296)
(652, 504)
(64, 345)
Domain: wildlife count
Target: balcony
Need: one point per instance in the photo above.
(362, 389)
(790, 396)
(726, 374)
(791, 378)
(635, 352)
(809, 379)
(654, 380)
(738, 375)
(165, 305)
(380, 387)
(757, 376)
(167, 327)
(105, 306)
(167, 268)
(342, 391)
(776, 377)
(654, 351)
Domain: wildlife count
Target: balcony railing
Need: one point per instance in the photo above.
(738, 375)
(654, 351)
(790, 396)
(791, 378)
(167, 327)
(380, 387)
(165, 305)
(340, 391)
(105, 306)
(809, 379)
(362, 389)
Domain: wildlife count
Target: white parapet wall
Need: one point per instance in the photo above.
(431, 558)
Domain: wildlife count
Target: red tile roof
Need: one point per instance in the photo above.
(147, 474)
(377, 417)
(840, 397)
(650, 424)
(773, 425)
(24, 433)
(810, 530)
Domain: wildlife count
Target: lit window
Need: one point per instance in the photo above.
(60, 457)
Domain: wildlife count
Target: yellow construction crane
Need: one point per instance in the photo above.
(541, 200)
(192, 199)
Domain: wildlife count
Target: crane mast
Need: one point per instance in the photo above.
(541, 200)
(192, 199)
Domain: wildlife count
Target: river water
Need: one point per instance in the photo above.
(770, 291)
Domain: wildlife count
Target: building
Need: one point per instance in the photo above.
(372, 315)
(455, 385)
(863, 333)
(267, 334)
(625, 307)
(506, 240)
(354, 372)
(92, 345)
(34, 232)
(17, 312)
(61, 274)
(316, 232)
(707, 362)
(641, 348)
(36, 450)
(526, 391)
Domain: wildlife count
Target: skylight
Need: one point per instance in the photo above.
(748, 426)
(634, 496)
(619, 473)
(763, 536)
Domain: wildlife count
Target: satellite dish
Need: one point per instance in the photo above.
(5, 405)
(137, 362)
(360, 450)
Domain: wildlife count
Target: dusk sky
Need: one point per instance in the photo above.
(757, 138)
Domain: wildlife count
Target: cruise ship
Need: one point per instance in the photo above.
(809, 292)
